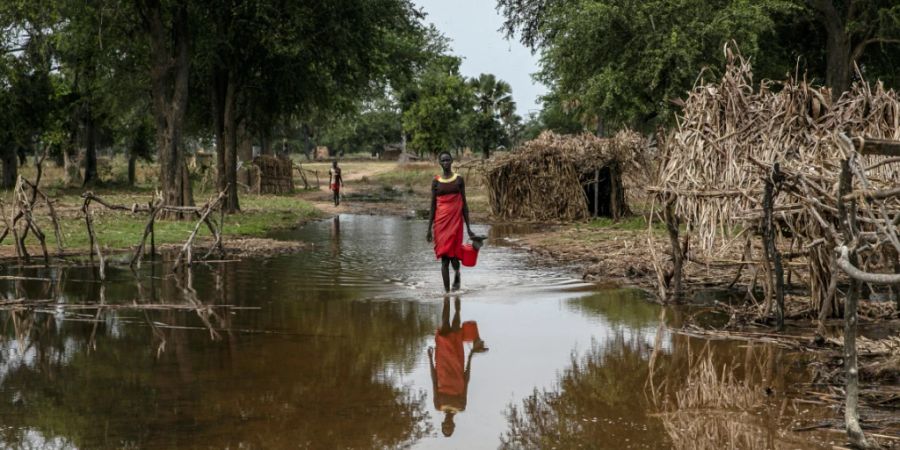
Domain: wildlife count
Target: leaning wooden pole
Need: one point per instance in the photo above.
(847, 214)
(148, 230)
(771, 249)
(93, 244)
(677, 254)
(186, 249)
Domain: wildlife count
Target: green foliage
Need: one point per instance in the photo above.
(437, 107)
(642, 54)
(494, 119)
(369, 130)
(553, 117)
(26, 85)
(614, 63)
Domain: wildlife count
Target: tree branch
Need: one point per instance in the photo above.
(829, 15)
(858, 50)
(876, 278)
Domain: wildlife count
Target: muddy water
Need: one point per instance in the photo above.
(330, 349)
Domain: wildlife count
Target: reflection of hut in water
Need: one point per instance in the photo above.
(563, 177)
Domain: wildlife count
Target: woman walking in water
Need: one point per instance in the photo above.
(445, 222)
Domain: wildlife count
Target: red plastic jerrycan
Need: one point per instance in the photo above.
(469, 255)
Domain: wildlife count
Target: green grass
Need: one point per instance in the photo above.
(633, 223)
(116, 229)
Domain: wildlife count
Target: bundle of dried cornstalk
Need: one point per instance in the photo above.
(785, 161)
(716, 167)
(541, 180)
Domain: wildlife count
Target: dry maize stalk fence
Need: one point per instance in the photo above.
(814, 179)
(717, 165)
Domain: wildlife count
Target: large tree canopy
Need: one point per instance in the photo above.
(619, 62)
(233, 70)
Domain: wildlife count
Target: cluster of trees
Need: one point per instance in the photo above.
(436, 109)
(148, 76)
(613, 63)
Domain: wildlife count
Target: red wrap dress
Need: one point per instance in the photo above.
(448, 216)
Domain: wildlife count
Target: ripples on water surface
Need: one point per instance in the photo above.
(329, 349)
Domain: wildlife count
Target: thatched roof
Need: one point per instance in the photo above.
(541, 180)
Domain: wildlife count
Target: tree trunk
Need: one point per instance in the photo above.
(265, 143)
(132, 168)
(837, 48)
(230, 135)
(10, 169)
(218, 91)
(838, 62)
(169, 77)
(70, 165)
(308, 147)
(245, 144)
(90, 151)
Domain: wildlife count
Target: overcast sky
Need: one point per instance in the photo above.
(472, 26)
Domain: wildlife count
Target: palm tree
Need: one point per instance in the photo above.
(493, 104)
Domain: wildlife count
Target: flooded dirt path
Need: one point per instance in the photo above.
(330, 348)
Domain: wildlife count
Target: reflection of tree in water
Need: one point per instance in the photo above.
(597, 400)
(703, 395)
(322, 378)
(620, 307)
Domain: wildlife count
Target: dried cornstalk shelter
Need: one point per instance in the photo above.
(268, 175)
(797, 180)
(564, 177)
(718, 163)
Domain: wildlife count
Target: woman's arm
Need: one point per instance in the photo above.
(428, 236)
(465, 211)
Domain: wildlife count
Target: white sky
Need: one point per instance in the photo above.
(472, 26)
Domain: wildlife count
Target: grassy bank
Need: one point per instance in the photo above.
(117, 229)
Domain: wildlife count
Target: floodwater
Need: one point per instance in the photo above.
(330, 349)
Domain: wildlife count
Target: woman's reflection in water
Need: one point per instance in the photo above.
(450, 368)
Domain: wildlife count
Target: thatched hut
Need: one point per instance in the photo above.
(391, 152)
(268, 175)
(563, 177)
